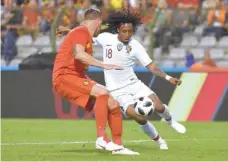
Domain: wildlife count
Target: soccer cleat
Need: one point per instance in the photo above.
(112, 146)
(124, 151)
(162, 144)
(177, 126)
(100, 143)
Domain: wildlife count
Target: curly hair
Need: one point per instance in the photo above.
(117, 18)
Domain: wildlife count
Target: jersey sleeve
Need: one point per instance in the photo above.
(141, 54)
(100, 39)
(79, 37)
(95, 41)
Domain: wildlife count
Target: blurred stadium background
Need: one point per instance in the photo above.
(187, 38)
(177, 33)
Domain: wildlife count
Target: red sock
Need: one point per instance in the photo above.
(115, 124)
(156, 138)
(106, 138)
(101, 114)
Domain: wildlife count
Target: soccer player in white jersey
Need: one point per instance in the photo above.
(121, 49)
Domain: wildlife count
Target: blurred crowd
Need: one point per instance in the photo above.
(211, 15)
(175, 18)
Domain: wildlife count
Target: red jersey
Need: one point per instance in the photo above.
(65, 62)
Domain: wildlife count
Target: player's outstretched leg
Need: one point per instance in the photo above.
(151, 131)
(172, 123)
(163, 112)
(147, 127)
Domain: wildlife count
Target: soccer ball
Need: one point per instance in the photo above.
(144, 106)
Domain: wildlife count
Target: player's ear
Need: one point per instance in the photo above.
(98, 22)
(118, 30)
(95, 23)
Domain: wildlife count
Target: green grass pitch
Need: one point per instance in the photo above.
(63, 140)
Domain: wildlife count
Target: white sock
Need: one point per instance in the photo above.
(150, 130)
(166, 114)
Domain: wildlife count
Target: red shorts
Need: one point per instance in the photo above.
(75, 89)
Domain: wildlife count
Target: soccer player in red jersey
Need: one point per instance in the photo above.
(70, 81)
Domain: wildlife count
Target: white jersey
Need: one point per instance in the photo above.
(124, 55)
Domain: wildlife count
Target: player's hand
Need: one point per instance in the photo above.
(112, 67)
(61, 30)
(175, 81)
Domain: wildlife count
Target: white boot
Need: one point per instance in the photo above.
(162, 144)
(124, 151)
(119, 149)
(100, 143)
(112, 146)
(177, 126)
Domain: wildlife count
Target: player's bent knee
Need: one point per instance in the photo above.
(159, 108)
(103, 92)
(133, 115)
(141, 120)
(115, 111)
(98, 91)
(112, 104)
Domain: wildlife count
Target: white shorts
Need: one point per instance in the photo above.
(129, 94)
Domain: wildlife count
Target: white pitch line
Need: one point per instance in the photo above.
(89, 142)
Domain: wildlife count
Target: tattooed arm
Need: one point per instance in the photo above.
(157, 71)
